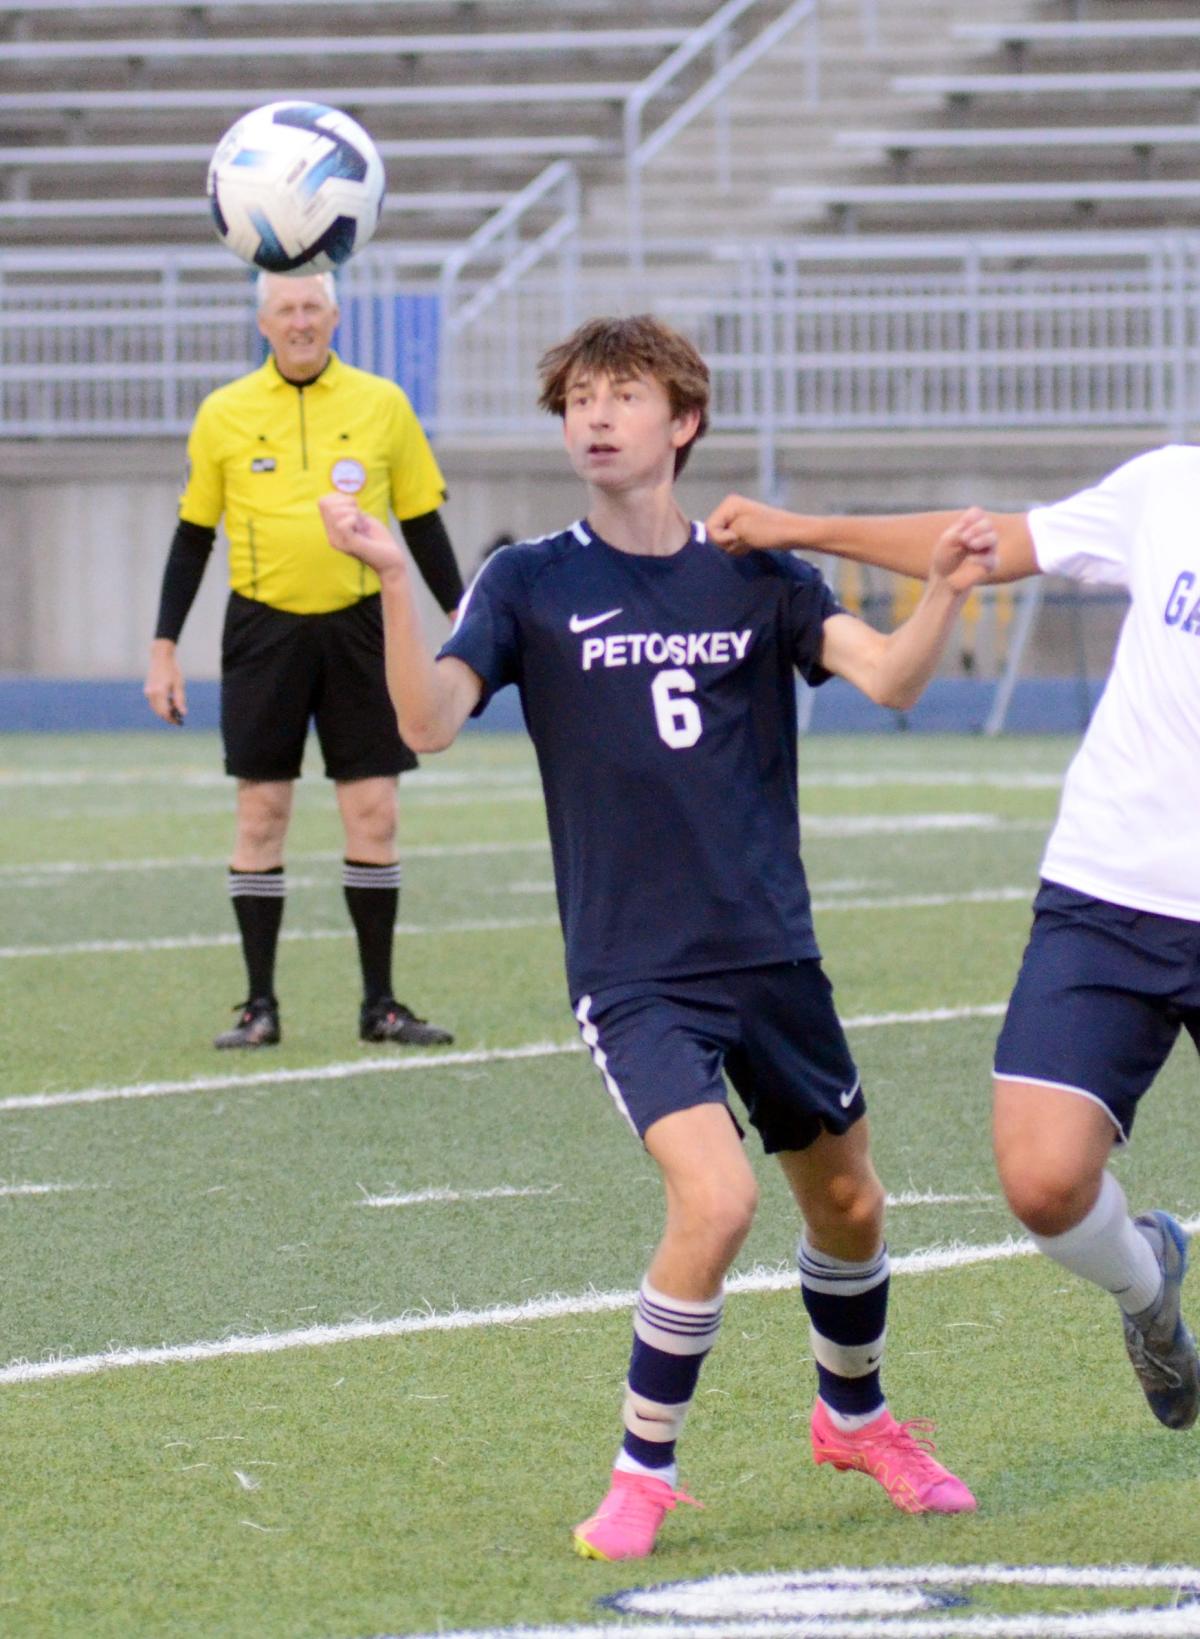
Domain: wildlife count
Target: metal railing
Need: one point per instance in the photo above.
(127, 343)
(1006, 331)
(480, 303)
(717, 35)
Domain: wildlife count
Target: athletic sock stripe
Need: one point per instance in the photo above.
(832, 1278)
(371, 876)
(257, 885)
(673, 1321)
(675, 1331)
(841, 1288)
(669, 1323)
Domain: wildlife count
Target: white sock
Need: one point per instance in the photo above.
(1106, 1249)
(630, 1465)
(849, 1422)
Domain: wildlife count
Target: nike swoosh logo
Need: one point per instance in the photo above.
(578, 624)
(847, 1099)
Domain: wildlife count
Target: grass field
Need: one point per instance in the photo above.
(327, 1342)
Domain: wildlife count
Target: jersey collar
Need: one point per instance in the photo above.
(328, 377)
(586, 535)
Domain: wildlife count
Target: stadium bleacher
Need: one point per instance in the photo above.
(1146, 32)
(102, 101)
(1101, 101)
(98, 103)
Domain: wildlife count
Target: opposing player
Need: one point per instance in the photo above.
(1112, 969)
(656, 675)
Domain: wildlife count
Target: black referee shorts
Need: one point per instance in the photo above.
(280, 671)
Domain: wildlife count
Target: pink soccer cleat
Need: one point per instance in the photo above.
(627, 1521)
(901, 1460)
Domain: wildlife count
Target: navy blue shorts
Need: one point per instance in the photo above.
(772, 1030)
(1100, 999)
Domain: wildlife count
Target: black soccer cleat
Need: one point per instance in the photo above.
(390, 1020)
(257, 1026)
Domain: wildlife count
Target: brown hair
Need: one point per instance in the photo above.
(619, 348)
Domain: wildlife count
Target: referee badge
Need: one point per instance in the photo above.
(348, 475)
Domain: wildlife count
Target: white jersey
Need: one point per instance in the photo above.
(1129, 820)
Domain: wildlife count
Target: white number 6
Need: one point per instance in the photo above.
(678, 720)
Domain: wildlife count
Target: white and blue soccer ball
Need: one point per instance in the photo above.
(295, 187)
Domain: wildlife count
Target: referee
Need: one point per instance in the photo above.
(303, 638)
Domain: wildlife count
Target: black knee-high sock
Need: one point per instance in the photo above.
(373, 898)
(258, 901)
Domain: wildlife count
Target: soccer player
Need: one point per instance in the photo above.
(657, 679)
(303, 634)
(1112, 969)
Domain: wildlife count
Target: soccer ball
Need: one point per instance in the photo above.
(295, 187)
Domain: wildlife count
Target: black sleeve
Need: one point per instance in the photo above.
(186, 562)
(427, 540)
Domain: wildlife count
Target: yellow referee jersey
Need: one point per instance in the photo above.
(262, 452)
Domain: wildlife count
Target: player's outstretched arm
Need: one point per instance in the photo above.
(893, 669)
(904, 541)
(433, 698)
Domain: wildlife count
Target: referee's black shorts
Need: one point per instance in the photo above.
(280, 671)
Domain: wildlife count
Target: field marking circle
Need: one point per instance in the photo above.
(918, 1602)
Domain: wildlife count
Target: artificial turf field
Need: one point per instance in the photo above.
(268, 1381)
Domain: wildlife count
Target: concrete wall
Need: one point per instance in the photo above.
(84, 528)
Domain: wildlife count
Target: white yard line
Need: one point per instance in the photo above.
(277, 1078)
(472, 779)
(193, 776)
(449, 1197)
(504, 1192)
(948, 778)
(39, 1189)
(348, 1069)
(927, 1197)
(219, 862)
(499, 924)
(923, 901)
(816, 825)
(219, 941)
(882, 825)
(934, 1260)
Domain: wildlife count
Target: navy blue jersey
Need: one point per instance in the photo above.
(660, 697)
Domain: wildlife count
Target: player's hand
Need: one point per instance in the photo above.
(164, 687)
(739, 525)
(355, 532)
(967, 553)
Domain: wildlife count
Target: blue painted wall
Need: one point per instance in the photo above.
(952, 705)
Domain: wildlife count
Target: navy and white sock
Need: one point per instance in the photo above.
(847, 1311)
(258, 901)
(671, 1337)
(373, 899)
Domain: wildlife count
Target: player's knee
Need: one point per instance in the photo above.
(372, 821)
(1047, 1202)
(262, 817)
(853, 1203)
(725, 1213)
